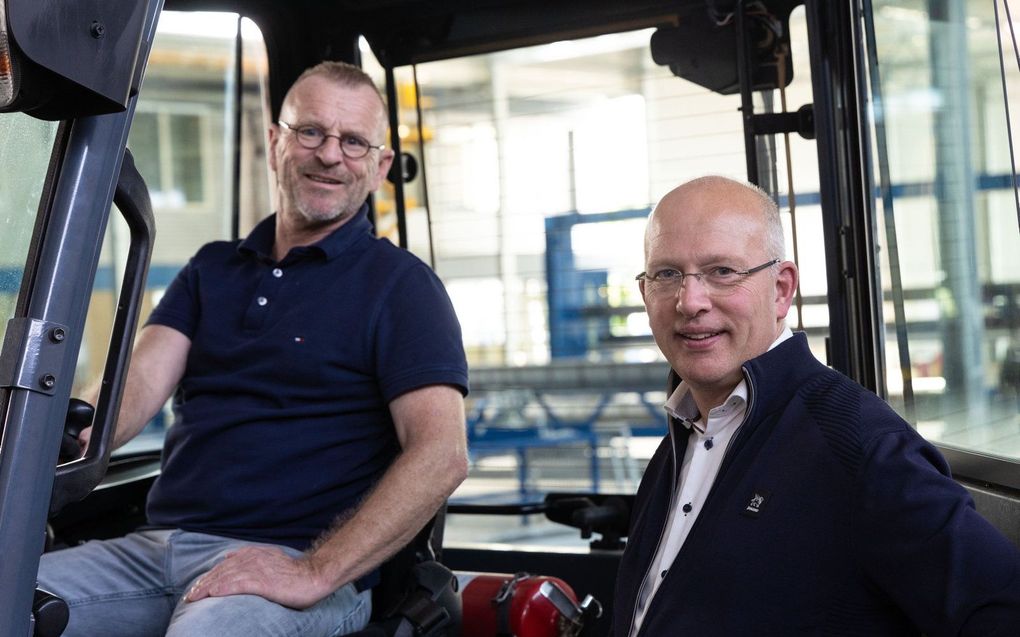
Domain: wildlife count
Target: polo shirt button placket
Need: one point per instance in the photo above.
(277, 272)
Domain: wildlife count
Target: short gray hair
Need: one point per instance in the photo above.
(775, 237)
(344, 74)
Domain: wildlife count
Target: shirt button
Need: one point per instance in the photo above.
(262, 300)
(277, 272)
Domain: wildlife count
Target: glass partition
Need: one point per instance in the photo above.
(950, 244)
(26, 144)
(182, 139)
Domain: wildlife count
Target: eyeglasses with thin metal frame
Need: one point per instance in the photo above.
(719, 279)
(312, 137)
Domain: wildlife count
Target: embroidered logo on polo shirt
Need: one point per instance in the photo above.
(757, 503)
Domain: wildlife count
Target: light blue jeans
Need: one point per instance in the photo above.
(133, 586)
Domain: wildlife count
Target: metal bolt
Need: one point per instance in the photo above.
(98, 29)
(47, 381)
(57, 334)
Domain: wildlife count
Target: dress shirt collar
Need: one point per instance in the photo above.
(681, 406)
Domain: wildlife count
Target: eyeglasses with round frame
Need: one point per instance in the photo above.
(312, 137)
(718, 280)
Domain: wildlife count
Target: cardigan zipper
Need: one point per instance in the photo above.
(662, 531)
(676, 467)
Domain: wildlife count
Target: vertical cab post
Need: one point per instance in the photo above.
(62, 264)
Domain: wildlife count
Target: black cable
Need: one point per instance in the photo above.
(398, 182)
(885, 187)
(235, 186)
(421, 167)
(1005, 97)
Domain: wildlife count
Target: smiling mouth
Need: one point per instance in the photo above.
(699, 337)
(324, 180)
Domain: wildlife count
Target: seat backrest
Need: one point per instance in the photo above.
(394, 572)
(416, 594)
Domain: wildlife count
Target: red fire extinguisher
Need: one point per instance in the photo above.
(522, 605)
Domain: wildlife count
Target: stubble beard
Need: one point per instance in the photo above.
(318, 216)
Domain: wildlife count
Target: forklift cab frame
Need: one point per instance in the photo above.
(90, 85)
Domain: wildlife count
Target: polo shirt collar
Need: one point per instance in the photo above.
(260, 240)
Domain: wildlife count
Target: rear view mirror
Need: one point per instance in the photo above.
(62, 59)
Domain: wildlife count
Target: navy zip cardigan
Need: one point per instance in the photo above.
(830, 516)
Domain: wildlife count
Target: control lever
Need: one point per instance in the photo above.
(610, 519)
(79, 418)
(49, 614)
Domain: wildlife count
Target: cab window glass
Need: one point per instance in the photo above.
(168, 146)
(182, 140)
(952, 286)
(25, 147)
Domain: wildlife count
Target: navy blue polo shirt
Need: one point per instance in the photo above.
(281, 418)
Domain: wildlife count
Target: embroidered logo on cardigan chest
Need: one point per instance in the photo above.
(757, 503)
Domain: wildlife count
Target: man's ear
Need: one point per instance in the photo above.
(274, 139)
(386, 156)
(786, 287)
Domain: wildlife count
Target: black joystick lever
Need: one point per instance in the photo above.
(49, 614)
(79, 417)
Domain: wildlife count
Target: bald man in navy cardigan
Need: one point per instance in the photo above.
(785, 499)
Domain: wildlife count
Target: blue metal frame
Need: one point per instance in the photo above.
(568, 290)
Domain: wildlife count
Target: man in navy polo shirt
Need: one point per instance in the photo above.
(318, 377)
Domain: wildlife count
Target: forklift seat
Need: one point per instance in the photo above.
(417, 595)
